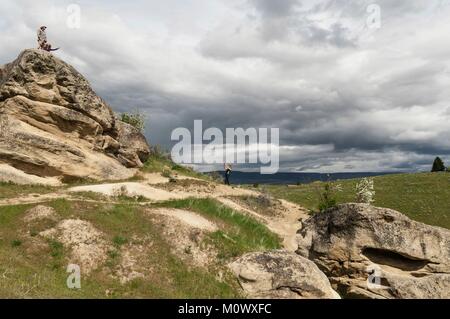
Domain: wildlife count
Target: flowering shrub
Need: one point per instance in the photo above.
(365, 191)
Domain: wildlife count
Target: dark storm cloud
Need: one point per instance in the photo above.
(345, 97)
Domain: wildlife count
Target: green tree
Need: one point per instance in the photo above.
(438, 165)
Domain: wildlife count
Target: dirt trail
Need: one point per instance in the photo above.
(152, 188)
(285, 226)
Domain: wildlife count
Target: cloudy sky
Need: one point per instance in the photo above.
(348, 91)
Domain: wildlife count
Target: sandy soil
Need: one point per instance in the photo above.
(184, 231)
(189, 218)
(128, 189)
(87, 244)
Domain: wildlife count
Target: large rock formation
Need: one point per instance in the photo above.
(375, 252)
(52, 125)
(281, 274)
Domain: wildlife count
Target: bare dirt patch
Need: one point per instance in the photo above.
(133, 263)
(189, 218)
(185, 232)
(40, 212)
(87, 244)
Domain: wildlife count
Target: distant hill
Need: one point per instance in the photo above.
(238, 177)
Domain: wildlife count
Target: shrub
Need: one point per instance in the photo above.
(56, 248)
(365, 191)
(119, 240)
(327, 196)
(16, 243)
(136, 119)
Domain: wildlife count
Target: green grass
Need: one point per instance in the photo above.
(264, 204)
(424, 197)
(33, 270)
(157, 163)
(11, 190)
(119, 240)
(16, 243)
(242, 233)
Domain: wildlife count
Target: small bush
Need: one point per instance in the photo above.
(56, 248)
(135, 119)
(327, 196)
(16, 243)
(119, 240)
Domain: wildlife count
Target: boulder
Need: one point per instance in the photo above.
(53, 125)
(281, 275)
(134, 150)
(370, 252)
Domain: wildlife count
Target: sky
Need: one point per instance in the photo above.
(351, 86)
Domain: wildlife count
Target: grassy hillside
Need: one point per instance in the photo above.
(35, 267)
(424, 197)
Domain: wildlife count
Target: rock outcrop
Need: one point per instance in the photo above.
(53, 125)
(372, 252)
(281, 275)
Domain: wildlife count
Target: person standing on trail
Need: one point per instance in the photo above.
(227, 168)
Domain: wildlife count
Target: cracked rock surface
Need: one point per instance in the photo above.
(371, 252)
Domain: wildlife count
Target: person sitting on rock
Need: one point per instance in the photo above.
(42, 40)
